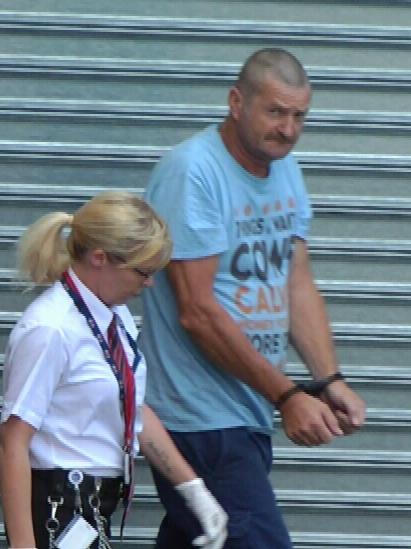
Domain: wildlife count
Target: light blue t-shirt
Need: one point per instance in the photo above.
(213, 206)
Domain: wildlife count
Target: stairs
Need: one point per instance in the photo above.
(93, 93)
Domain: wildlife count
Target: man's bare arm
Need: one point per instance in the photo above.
(307, 420)
(311, 335)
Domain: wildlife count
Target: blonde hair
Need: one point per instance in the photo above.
(118, 222)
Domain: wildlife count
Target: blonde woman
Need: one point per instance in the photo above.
(74, 382)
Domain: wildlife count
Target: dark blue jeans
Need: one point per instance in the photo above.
(235, 464)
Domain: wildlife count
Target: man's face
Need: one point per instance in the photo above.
(269, 122)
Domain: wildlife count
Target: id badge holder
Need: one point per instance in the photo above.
(78, 533)
(127, 464)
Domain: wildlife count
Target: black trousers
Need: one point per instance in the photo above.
(54, 483)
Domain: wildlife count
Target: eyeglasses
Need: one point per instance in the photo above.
(145, 275)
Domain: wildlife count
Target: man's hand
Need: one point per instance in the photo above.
(347, 406)
(308, 421)
(208, 511)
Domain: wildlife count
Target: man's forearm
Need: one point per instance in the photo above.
(216, 333)
(310, 331)
(223, 342)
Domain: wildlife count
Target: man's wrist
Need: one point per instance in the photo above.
(313, 388)
(288, 394)
(317, 387)
(324, 383)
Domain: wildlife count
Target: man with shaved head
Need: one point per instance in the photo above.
(276, 63)
(238, 288)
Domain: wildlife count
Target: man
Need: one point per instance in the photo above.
(217, 323)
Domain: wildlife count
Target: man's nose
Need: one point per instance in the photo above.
(287, 126)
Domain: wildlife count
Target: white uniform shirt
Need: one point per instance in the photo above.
(57, 380)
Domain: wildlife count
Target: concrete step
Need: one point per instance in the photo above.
(354, 513)
(360, 259)
(360, 304)
(361, 12)
(139, 124)
(217, 40)
(335, 215)
(320, 468)
(176, 81)
(80, 165)
(356, 343)
(143, 538)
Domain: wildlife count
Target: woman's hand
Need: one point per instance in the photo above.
(208, 511)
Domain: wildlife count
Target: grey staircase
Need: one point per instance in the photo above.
(93, 93)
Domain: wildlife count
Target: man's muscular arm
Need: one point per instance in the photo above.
(311, 336)
(222, 341)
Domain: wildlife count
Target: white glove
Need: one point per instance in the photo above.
(208, 511)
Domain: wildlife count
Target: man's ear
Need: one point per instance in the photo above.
(98, 258)
(235, 102)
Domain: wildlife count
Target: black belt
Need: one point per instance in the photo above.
(58, 484)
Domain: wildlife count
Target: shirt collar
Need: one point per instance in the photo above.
(102, 314)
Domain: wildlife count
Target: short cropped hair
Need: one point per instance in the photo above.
(274, 62)
(118, 222)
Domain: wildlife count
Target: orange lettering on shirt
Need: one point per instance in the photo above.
(246, 309)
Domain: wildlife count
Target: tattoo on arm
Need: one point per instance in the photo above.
(162, 458)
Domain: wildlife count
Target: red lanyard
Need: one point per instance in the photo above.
(74, 293)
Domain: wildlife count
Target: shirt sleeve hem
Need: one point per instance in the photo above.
(26, 415)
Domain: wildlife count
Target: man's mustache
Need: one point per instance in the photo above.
(284, 140)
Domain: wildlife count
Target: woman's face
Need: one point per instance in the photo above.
(124, 283)
(112, 281)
